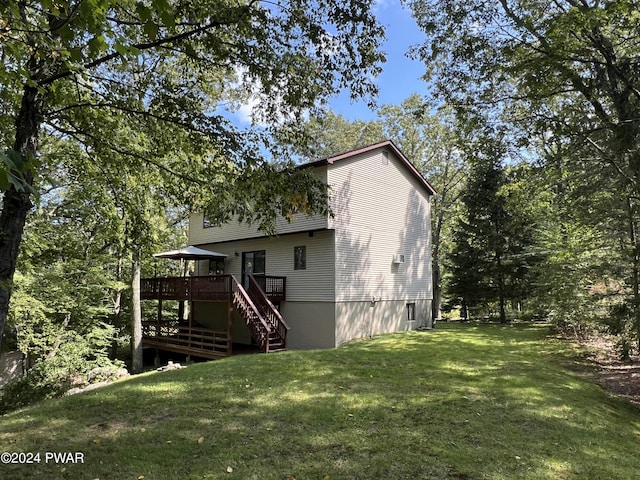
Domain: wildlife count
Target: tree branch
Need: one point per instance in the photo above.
(147, 46)
(144, 113)
(78, 134)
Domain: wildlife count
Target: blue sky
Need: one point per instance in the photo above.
(401, 76)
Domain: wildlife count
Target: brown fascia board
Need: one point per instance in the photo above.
(385, 144)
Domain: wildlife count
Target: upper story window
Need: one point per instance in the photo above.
(206, 223)
(300, 258)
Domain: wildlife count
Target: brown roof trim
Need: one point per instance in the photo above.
(385, 144)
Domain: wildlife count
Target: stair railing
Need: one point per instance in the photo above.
(258, 327)
(268, 310)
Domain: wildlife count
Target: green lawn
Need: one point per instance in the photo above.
(461, 402)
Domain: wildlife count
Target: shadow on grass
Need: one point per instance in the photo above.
(462, 402)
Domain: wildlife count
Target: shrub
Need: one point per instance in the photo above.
(75, 361)
(53, 377)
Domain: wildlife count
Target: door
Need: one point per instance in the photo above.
(253, 263)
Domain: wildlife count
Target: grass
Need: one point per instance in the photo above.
(461, 402)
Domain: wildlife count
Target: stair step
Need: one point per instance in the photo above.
(274, 342)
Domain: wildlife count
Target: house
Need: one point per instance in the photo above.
(323, 280)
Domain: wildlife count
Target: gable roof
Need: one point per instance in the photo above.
(388, 144)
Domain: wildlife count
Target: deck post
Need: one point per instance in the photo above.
(229, 328)
(192, 311)
(159, 322)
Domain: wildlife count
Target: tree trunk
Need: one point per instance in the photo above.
(58, 342)
(117, 304)
(136, 317)
(435, 262)
(437, 292)
(501, 290)
(503, 313)
(635, 273)
(16, 204)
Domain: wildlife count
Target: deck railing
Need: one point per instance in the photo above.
(171, 336)
(211, 288)
(256, 323)
(274, 287)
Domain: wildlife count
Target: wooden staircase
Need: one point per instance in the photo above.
(263, 319)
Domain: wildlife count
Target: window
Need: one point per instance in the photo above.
(411, 312)
(206, 223)
(300, 258)
(216, 266)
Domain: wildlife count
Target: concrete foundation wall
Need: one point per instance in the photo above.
(311, 324)
(366, 319)
(324, 324)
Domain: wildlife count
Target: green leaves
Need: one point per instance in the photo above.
(98, 44)
(166, 12)
(125, 50)
(15, 171)
(151, 29)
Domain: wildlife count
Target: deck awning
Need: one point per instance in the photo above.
(190, 253)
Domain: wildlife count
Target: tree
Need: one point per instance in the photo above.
(90, 221)
(578, 255)
(331, 133)
(564, 69)
(172, 66)
(493, 239)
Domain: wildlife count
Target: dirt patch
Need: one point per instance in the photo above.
(618, 377)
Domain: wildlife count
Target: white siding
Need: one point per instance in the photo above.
(380, 210)
(315, 283)
(198, 235)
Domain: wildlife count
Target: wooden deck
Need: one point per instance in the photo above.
(213, 288)
(254, 304)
